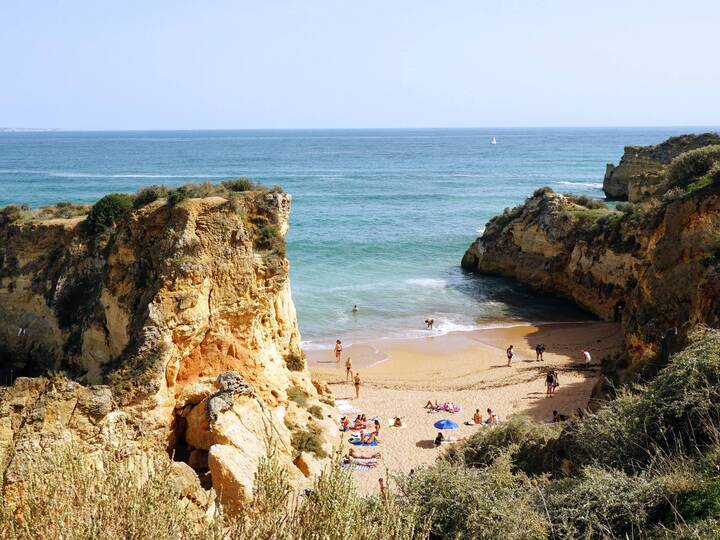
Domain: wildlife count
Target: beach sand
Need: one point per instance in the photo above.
(469, 369)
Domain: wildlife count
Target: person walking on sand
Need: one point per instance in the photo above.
(357, 382)
(510, 353)
(338, 349)
(588, 358)
(348, 369)
(539, 350)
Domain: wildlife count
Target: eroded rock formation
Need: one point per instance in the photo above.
(641, 171)
(655, 267)
(174, 331)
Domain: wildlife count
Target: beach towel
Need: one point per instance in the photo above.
(357, 442)
(471, 423)
(355, 467)
(345, 408)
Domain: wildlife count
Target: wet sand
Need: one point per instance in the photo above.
(469, 369)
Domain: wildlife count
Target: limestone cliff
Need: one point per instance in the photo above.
(175, 331)
(654, 267)
(641, 171)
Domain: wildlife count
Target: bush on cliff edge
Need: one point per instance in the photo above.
(108, 211)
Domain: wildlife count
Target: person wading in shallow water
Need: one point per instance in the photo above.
(338, 349)
(509, 351)
(357, 382)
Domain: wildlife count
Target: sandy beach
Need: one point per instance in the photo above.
(466, 368)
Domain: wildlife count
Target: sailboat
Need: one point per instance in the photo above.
(493, 140)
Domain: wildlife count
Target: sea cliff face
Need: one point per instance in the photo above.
(174, 332)
(655, 268)
(641, 171)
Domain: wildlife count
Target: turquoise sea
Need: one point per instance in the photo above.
(381, 218)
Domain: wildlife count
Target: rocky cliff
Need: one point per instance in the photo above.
(171, 331)
(641, 171)
(655, 267)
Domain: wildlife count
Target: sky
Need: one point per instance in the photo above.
(232, 64)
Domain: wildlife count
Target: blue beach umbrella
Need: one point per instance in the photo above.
(446, 424)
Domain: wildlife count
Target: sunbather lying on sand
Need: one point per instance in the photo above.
(445, 407)
(367, 438)
(357, 455)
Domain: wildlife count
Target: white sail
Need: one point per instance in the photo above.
(493, 141)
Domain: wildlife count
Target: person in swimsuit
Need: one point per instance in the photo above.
(491, 418)
(510, 353)
(357, 382)
(539, 350)
(355, 309)
(439, 439)
(348, 369)
(338, 349)
(477, 417)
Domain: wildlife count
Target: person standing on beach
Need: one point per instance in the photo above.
(549, 382)
(357, 382)
(348, 369)
(539, 350)
(509, 352)
(338, 349)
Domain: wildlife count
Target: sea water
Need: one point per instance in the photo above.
(380, 218)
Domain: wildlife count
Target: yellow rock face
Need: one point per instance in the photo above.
(155, 309)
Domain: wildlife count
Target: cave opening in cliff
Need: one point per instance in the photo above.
(180, 450)
(13, 366)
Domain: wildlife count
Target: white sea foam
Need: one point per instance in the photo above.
(593, 185)
(480, 231)
(430, 283)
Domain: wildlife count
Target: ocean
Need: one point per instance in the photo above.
(381, 218)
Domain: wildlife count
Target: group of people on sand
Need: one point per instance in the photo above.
(361, 423)
(357, 382)
(477, 419)
(449, 407)
(539, 351)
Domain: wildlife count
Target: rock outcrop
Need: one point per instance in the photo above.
(641, 171)
(173, 331)
(655, 267)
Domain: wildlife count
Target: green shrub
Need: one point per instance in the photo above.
(316, 411)
(268, 238)
(308, 440)
(149, 194)
(178, 195)
(540, 192)
(480, 503)
(108, 211)
(693, 164)
(331, 510)
(297, 395)
(10, 214)
(295, 362)
(588, 202)
(239, 184)
(675, 412)
(602, 504)
(521, 436)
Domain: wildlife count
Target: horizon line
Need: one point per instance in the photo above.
(8, 129)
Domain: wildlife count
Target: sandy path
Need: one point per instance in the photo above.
(467, 368)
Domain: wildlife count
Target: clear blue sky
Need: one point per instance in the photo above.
(166, 64)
